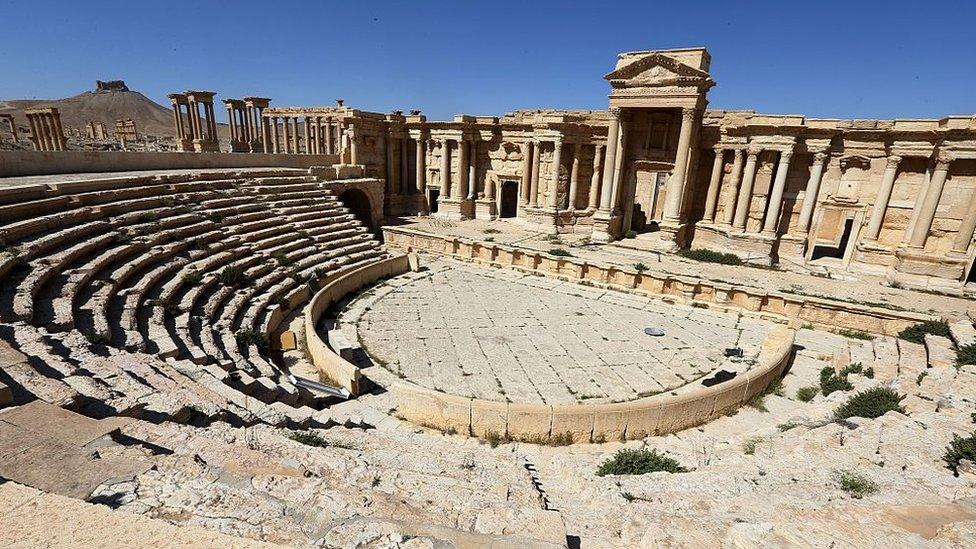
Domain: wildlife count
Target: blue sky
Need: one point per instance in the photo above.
(825, 59)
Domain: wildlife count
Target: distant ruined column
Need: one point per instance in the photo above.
(557, 155)
(574, 177)
(526, 174)
(594, 198)
(536, 164)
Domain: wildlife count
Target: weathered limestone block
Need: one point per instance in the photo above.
(529, 421)
(941, 355)
(433, 409)
(963, 332)
(575, 420)
(489, 417)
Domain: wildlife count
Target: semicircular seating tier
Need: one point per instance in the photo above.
(153, 299)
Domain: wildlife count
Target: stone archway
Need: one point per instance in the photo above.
(360, 206)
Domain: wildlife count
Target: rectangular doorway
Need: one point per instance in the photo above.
(432, 196)
(510, 197)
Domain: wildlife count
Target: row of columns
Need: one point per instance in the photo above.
(245, 121)
(320, 134)
(46, 131)
(398, 165)
(737, 207)
(196, 133)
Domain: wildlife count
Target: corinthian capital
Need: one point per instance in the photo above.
(820, 157)
(616, 113)
(942, 160)
(893, 161)
(688, 114)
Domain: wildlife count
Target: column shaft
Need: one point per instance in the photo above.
(714, 184)
(404, 167)
(445, 168)
(557, 156)
(960, 244)
(776, 198)
(460, 191)
(472, 170)
(745, 193)
(606, 192)
(811, 193)
(536, 164)
(526, 175)
(930, 203)
(574, 177)
(421, 165)
(882, 199)
(594, 198)
(390, 187)
(676, 185)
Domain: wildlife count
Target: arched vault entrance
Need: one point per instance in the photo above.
(359, 205)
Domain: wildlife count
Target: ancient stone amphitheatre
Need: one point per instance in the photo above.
(661, 324)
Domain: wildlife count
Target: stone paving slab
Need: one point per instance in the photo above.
(500, 335)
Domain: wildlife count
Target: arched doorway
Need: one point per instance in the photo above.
(359, 205)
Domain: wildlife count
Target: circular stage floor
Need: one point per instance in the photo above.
(503, 335)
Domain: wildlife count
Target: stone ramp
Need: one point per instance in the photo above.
(50, 448)
(32, 518)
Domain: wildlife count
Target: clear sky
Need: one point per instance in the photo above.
(851, 59)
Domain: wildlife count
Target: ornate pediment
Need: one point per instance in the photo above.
(656, 70)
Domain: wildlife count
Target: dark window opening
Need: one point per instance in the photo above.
(841, 249)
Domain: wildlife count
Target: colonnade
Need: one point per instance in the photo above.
(46, 131)
(398, 163)
(245, 121)
(321, 134)
(199, 133)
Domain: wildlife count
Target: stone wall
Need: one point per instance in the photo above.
(330, 364)
(655, 415)
(796, 310)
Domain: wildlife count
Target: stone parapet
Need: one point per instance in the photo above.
(780, 307)
(541, 423)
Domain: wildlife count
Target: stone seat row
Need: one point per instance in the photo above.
(173, 278)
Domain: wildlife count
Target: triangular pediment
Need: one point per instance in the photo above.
(656, 69)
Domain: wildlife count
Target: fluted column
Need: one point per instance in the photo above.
(307, 132)
(776, 197)
(265, 135)
(178, 120)
(714, 184)
(296, 137)
(811, 193)
(882, 199)
(526, 175)
(960, 244)
(676, 185)
(421, 167)
(445, 168)
(930, 203)
(286, 133)
(613, 136)
(536, 164)
(574, 177)
(460, 191)
(594, 198)
(557, 156)
(745, 193)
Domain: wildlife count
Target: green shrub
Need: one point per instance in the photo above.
(281, 259)
(916, 333)
(248, 337)
(960, 449)
(749, 446)
(921, 376)
(491, 231)
(806, 394)
(639, 462)
(831, 381)
(98, 338)
(855, 484)
(869, 372)
(192, 278)
(709, 256)
(630, 234)
(233, 276)
(640, 267)
(966, 354)
(855, 334)
(871, 404)
(559, 252)
(308, 438)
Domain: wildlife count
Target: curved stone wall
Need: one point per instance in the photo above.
(797, 310)
(330, 364)
(654, 415)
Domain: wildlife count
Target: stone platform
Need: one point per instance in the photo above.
(508, 336)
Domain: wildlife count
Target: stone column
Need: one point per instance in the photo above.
(776, 198)
(460, 191)
(729, 211)
(308, 135)
(930, 202)
(404, 167)
(472, 170)
(46, 132)
(390, 188)
(445, 168)
(286, 126)
(421, 164)
(618, 171)
(318, 135)
(557, 156)
(178, 120)
(745, 193)
(232, 124)
(594, 198)
(882, 199)
(295, 136)
(536, 164)
(960, 244)
(329, 148)
(526, 174)
(811, 193)
(35, 132)
(265, 135)
(353, 147)
(714, 184)
(676, 185)
(613, 135)
(574, 177)
(274, 134)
